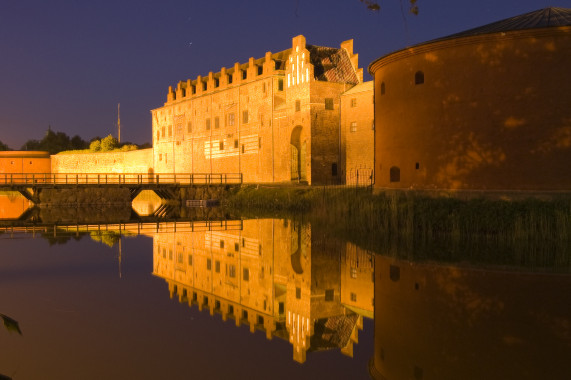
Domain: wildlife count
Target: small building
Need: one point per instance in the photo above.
(488, 108)
(274, 119)
(24, 162)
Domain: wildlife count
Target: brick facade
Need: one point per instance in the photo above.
(274, 119)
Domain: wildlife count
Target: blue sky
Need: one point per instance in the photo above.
(68, 63)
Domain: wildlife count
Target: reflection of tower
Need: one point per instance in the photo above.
(444, 322)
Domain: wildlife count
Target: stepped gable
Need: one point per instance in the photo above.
(332, 65)
(542, 18)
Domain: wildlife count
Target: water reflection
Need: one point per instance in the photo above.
(274, 276)
(437, 321)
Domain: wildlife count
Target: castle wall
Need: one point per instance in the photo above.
(135, 161)
(357, 134)
(492, 113)
(264, 119)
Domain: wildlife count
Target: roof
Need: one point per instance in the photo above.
(332, 65)
(542, 18)
(24, 154)
(361, 87)
(332, 332)
(539, 19)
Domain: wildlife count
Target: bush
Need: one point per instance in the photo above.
(95, 146)
(109, 143)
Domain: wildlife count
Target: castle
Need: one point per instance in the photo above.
(274, 119)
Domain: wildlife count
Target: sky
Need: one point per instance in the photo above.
(68, 63)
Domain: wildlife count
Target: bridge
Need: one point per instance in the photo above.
(164, 185)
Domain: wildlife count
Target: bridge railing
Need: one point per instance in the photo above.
(13, 179)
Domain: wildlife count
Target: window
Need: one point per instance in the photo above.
(353, 126)
(243, 242)
(163, 132)
(298, 293)
(244, 74)
(231, 119)
(221, 145)
(297, 105)
(394, 273)
(232, 271)
(160, 157)
(170, 130)
(353, 297)
(353, 272)
(216, 82)
(246, 274)
(281, 308)
(221, 243)
(260, 70)
(382, 88)
(189, 127)
(235, 143)
(217, 266)
(158, 134)
(328, 103)
(417, 166)
(394, 174)
(236, 247)
(280, 84)
(208, 264)
(203, 86)
(245, 117)
(216, 122)
(259, 142)
(419, 77)
(243, 148)
(190, 260)
(179, 258)
(208, 124)
(193, 89)
(333, 169)
(170, 254)
(329, 293)
(353, 102)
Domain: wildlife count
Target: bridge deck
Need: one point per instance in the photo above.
(40, 180)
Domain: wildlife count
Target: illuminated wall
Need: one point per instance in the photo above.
(272, 275)
(274, 119)
(481, 111)
(24, 162)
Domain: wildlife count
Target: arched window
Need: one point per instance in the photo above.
(395, 174)
(382, 88)
(419, 77)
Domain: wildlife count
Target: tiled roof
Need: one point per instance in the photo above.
(332, 65)
(332, 332)
(361, 87)
(542, 18)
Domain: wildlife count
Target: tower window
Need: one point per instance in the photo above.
(297, 105)
(353, 102)
(419, 77)
(353, 126)
(382, 88)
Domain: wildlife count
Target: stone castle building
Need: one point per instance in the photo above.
(488, 108)
(274, 119)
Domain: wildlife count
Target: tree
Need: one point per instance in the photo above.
(4, 146)
(95, 145)
(109, 143)
(374, 5)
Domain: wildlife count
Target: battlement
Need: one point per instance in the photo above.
(274, 64)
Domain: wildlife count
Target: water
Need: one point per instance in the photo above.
(154, 303)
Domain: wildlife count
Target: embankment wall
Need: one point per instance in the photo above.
(135, 161)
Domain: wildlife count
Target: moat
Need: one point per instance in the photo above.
(268, 298)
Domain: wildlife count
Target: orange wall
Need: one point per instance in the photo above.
(135, 161)
(24, 162)
(493, 113)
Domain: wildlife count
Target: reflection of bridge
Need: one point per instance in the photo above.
(31, 184)
(12, 229)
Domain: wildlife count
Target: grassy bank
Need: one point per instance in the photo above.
(528, 231)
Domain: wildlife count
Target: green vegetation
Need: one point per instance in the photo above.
(55, 142)
(527, 232)
(106, 144)
(4, 146)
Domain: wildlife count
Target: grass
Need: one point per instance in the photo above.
(528, 232)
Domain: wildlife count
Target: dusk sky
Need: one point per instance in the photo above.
(68, 63)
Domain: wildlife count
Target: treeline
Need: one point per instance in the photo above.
(56, 142)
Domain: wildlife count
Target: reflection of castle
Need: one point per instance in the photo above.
(446, 322)
(274, 276)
